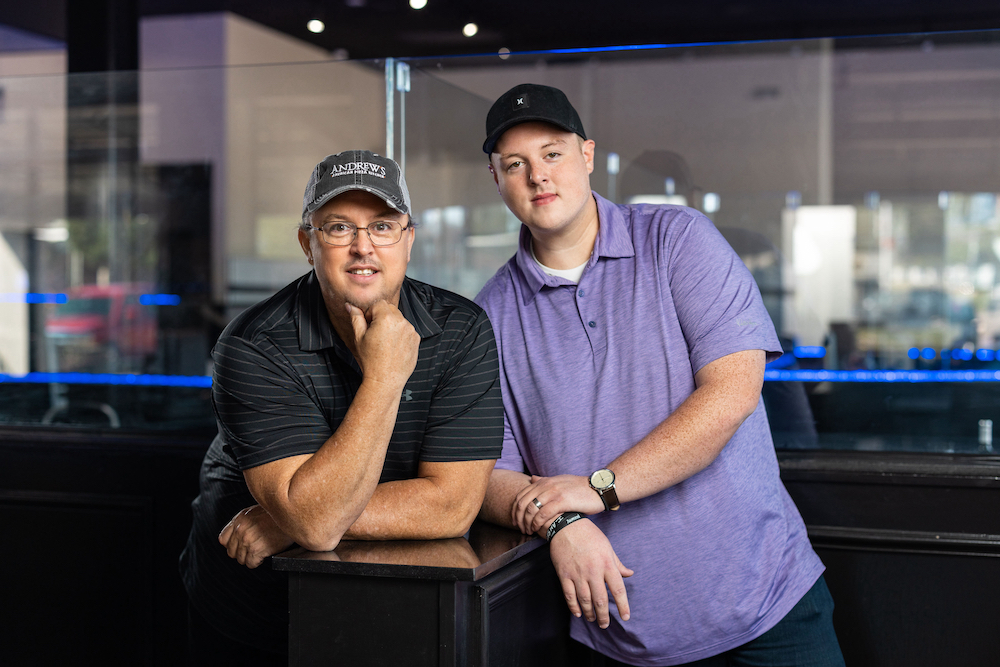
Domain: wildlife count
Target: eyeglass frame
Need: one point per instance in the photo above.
(323, 235)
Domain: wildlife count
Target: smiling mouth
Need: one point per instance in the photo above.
(362, 272)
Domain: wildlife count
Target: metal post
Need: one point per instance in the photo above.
(390, 106)
(403, 86)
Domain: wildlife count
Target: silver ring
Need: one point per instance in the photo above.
(537, 504)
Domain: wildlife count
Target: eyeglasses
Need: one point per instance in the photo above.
(381, 232)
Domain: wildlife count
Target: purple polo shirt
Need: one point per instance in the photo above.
(588, 370)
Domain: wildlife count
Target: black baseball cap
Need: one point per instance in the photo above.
(356, 170)
(527, 102)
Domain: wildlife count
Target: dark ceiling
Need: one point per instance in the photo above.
(379, 28)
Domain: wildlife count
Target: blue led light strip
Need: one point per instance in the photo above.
(112, 379)
(160, 300)
(32, 297)
(205, 381)
(882, 376)
(38, 297)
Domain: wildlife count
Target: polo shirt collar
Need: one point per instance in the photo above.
(415, 311)
(317, 333)
(613, 241)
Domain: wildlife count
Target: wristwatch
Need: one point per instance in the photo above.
(603, 481)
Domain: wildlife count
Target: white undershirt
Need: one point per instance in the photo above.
(572, 275)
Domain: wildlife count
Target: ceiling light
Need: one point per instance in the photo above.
(470, 29)
(316, 26)
(504, 53)
(418, 4)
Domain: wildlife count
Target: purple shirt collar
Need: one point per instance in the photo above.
(613, 240)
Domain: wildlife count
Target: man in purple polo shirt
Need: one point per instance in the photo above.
(632, 346)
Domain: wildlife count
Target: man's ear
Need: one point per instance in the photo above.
(412, 233)
(306, 242)
(493, 173)
(588, 147)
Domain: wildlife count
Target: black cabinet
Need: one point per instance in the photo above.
(492, 599)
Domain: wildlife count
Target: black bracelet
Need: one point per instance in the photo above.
(561, 522)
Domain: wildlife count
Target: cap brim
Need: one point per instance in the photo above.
(491, 141)
(336, 192)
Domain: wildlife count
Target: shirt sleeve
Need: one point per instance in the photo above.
(465, 418)
(510, 457)
(265, 411)
(717, 302)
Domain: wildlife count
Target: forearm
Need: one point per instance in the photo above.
(692, 437)
(501, 492)
(314, 500)
(686, 442)
(414, 509)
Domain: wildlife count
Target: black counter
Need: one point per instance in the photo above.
(491, 598)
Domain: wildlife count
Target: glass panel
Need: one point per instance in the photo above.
(139, 212)
(857, 180)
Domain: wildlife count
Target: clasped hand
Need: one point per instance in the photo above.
(562, 493)
(586, 563)
(252, 535)
(385, 344)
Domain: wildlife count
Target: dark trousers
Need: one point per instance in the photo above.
(803, 638)
(207, 647)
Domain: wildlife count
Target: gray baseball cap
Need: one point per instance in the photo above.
(356, 170)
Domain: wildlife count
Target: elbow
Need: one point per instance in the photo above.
(457, 521)
(462, 526)
(314, 533)
(317, 540)
(749, 407)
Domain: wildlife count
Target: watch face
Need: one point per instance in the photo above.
(602, 479)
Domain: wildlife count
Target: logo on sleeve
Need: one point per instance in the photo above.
(407, 395)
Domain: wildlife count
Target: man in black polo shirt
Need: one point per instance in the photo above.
(355, 403)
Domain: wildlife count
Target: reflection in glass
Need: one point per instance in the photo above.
(856, 179)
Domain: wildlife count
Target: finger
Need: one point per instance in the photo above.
(540, 518)
(569, 592)
(584, 597)
(241, 554)
(599, 600)
(524, 521)
(225, 534)
(530, 515)
(621, 599)
(358, 322)
(520, 514)
(549, 510)
(375, 310)
(617, 588)
(233, 545)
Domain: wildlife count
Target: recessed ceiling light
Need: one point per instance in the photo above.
(418, 4)
(470, 29)
(316, 26)
(504, 53)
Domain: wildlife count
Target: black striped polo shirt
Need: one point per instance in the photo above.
(283, 382)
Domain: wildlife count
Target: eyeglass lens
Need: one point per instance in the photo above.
(381, 233)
